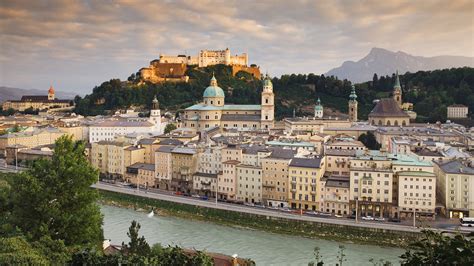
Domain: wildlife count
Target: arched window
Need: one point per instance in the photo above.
(396, 123)
(380, 122)
(404, 123)
(373, 122)
(388, 123)
(266, 100)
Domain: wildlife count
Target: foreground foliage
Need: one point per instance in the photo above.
(49, 216)
(438, 249)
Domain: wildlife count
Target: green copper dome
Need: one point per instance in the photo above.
(353, 95)
(267, 82)
(318, 106)
(213, 90)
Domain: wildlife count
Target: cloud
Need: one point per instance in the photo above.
(78, 44)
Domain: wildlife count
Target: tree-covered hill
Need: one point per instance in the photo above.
(429, 91)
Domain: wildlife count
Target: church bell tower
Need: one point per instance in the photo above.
(268, 106)
(353, 105)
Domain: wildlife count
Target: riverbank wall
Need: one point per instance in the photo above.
(351, 234)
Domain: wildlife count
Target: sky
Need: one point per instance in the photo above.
(76, 45)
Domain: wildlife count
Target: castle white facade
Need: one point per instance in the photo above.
(208, 58)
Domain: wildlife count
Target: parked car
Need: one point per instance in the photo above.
(259, 206)
(394, 220)
(312, 213)
(351, 217)
(368, 218)
(284, 209)
(179, 193)
(186, 194)
(204, 198)
(379, 219)
(195, 196)
(249, 204)
(338, 216)
(325, 214)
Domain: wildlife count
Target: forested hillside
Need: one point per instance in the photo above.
(430, 91)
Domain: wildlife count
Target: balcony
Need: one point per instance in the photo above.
(268, 185)
(293, 190)
(293, 181)
(208, 183)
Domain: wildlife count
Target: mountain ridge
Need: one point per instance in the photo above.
(385, 62)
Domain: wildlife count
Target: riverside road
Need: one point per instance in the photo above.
(168, 196)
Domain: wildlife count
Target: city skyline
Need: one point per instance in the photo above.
(77, 45)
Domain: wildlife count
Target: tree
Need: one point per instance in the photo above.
(341, 255)
(200, 259)
(18, 251)
(137, 245)
(54, 199)
(369, 141)
(437, 249)
(318, 258)
(169, 127)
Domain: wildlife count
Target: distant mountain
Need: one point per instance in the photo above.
(8, 93)
(385, 62)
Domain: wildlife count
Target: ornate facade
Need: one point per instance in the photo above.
(213, 112)
(388, 111)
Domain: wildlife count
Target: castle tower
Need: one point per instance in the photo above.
(51, 96)
(227, 60)
(353, 105)
(268, 106)
(397, 91)
(318, 109)
(155, 116)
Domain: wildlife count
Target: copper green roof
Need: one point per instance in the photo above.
(228, 107)
(397, 82)
(213, 90)
(353, 95)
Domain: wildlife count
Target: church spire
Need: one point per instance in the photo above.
(155, 104)
(213, 81)
(353, 95)
(397, 81)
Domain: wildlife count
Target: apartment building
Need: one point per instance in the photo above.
(455, 189)
(338, 161)
(334, 196)
(183, 167)
(275, 177)
(210, 160)
(249, 183)
(141, 174)
(227, 181)
(416, 193)
(205, 184)
(371, 184)
(163, 167)
(305, 175)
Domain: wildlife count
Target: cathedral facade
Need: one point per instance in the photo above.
(213, 112)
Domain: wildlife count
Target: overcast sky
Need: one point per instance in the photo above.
(76, 45)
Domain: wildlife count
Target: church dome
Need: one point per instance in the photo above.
(213, 90)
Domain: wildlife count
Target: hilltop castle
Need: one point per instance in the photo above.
(173, 68)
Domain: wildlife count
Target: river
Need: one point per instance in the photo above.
(264, 248)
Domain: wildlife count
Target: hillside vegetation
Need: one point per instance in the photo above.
(430, 91)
